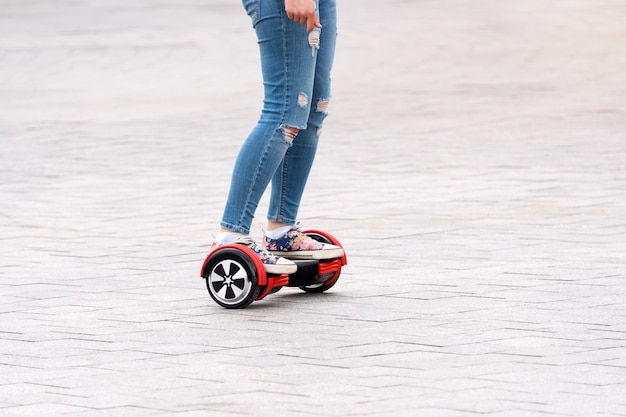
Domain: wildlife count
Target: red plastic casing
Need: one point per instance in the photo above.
(332, 239)
(260, 270)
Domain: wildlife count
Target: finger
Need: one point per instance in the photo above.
(312, 23)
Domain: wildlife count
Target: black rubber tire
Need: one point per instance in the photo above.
(319, 288)
(231, 279)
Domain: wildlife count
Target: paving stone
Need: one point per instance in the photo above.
(472, 165)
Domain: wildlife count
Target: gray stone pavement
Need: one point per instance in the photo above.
(473, 166)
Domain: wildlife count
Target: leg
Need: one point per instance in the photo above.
(288, 76)
(290, 179)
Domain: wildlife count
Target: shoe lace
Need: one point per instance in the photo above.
(249, 242)
(297, 227)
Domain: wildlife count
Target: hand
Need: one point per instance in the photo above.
(303, 12)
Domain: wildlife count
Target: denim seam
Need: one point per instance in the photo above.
(287, 95)
(254, 182)
(234, 228)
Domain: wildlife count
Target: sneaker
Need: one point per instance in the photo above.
(273, 264)
(296, 245)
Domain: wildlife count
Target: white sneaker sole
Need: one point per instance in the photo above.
(330, 252)
(281, 268)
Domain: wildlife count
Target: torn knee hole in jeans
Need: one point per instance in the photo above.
(322, 106)
(314, 40)
(303, 100)
(290, 133)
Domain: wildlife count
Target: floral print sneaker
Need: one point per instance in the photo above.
(273, 264)
(296, 245)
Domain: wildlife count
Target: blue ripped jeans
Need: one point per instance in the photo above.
(296, 78)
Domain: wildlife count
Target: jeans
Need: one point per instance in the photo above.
(296, 69)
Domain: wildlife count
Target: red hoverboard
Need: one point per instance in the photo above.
(235, 276)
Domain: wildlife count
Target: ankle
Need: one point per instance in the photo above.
(276, 225)
(225, 237)
(278, 232)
